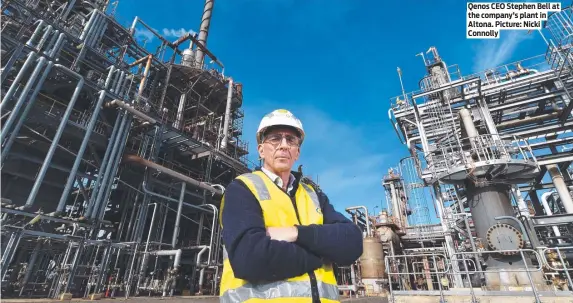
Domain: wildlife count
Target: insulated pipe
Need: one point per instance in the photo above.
(561, 188)
(88, 25)
(144, 78)
(522, 206)
(178, 217)
(368, 234)
(106, 157)
(36, 33)
(99, 32)
(395, 205)
(56, 48)
(44, 38)
(172, 173)
(22, 117)
(52, 43)
(84, 144)
(5, 70)
(90, 32)
(468, 123)
(111, 168)
(227, 115)
(178, 124)
(31, 57)
(32, 197)
(132, 110)
(23, 96)
(69, 7)
(204, 32)
(175, 252)
(548, 212)
(118, 84)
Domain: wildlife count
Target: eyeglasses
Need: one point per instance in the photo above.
(276, 139)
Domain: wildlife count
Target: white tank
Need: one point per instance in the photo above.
(188, 57)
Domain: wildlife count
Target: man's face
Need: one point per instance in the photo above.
(280, 149)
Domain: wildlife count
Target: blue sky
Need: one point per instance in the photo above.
(333, 64)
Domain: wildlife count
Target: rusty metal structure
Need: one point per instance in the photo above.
(114, 158)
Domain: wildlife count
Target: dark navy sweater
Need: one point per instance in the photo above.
(255, 257)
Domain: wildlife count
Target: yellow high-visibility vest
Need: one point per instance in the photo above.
(278, 211)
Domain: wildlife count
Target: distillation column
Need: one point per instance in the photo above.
(488, 191)
(486, 165)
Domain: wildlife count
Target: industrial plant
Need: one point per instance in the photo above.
(115, 158)
(489, 156)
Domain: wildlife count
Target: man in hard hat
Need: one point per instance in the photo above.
(281, 235)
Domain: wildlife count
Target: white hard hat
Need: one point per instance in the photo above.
(279, 117)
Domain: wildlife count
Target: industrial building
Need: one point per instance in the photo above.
(114, 160)
(491, 153)
(114, 157)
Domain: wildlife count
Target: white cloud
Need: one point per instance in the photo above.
(492, 53)
(176, 33)
(145, 34)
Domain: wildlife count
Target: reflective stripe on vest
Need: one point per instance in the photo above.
(280, 289)
(312, 194)
(261, 189)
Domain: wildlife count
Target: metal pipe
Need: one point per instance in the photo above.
(22, 117)
(149, 192)
(7, 68)
(204, 32)
(104, 163)
(90, 33)
(368, 233)
(116, 88)
(178, 217)
(468, 123)
(69, 7)
(132, 110)
(36, 32)
(23, 94)
(172, 173)
(145, 255)
(32, 197)
(47, 32)
(89, 24)
(51, 44)
(84, 144)
(522, 206)
(144, 78)
(548, 212)
(57, 47)
(99, 32)
(227, 115)
(561, 188)
(114, 160)
(178, 124)
(175, 252)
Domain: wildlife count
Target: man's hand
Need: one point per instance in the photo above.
(288, 234)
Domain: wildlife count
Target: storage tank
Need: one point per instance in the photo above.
(372, 266)
(188, 57)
